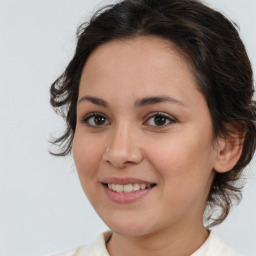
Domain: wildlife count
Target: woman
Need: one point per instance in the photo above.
(161, 123)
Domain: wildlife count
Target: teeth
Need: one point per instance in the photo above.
(143, 186)
(128, 187)
(136, 187)
(119, 188)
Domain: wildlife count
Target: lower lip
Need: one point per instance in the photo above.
(126, 197)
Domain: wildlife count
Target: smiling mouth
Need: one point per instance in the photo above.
(128, 188)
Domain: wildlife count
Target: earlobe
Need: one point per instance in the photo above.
(229, 150)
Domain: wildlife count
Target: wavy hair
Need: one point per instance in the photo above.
(212, 46)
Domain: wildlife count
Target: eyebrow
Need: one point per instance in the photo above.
(157, 99)
(138, 103)
(94, 100)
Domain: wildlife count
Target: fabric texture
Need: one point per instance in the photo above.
(213, 246)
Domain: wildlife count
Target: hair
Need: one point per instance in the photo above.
(211, 45)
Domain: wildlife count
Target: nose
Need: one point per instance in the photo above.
(123, 149)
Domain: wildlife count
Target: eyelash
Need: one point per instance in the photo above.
(163, 115)
(166, 117)
(87, 118)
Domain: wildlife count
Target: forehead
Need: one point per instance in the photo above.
(145, 48)
(145, 65)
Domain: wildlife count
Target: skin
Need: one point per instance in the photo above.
(178, 156)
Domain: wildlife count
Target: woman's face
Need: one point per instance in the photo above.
(144, 130)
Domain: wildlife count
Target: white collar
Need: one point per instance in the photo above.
(213, 246)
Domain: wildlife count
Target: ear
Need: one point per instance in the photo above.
(229, 148)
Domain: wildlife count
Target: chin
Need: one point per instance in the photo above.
(133, 228)
(130, 231)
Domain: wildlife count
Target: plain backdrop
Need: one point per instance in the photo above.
(42, 208)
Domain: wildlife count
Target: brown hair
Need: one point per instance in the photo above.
(211, 44)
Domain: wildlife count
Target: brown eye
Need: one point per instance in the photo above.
(95, 120)
(99, 120)
(160, 120)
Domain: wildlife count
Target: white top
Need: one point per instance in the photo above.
(213, 246)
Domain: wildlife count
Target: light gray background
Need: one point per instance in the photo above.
(42, 207)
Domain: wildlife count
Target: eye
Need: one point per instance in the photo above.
(159, 119)
(95, 119)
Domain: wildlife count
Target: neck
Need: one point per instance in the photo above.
(181, 241)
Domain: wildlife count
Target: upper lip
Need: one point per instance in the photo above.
(124, 181)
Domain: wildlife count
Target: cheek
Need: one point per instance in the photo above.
(185, 164)
(86, 155)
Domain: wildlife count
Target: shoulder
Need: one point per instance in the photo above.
(95, 249)
(214, 246)
(74, 252)
(223, 247)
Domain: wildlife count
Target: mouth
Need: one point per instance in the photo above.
(128, 188)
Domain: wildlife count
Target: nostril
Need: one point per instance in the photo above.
(121, 156)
